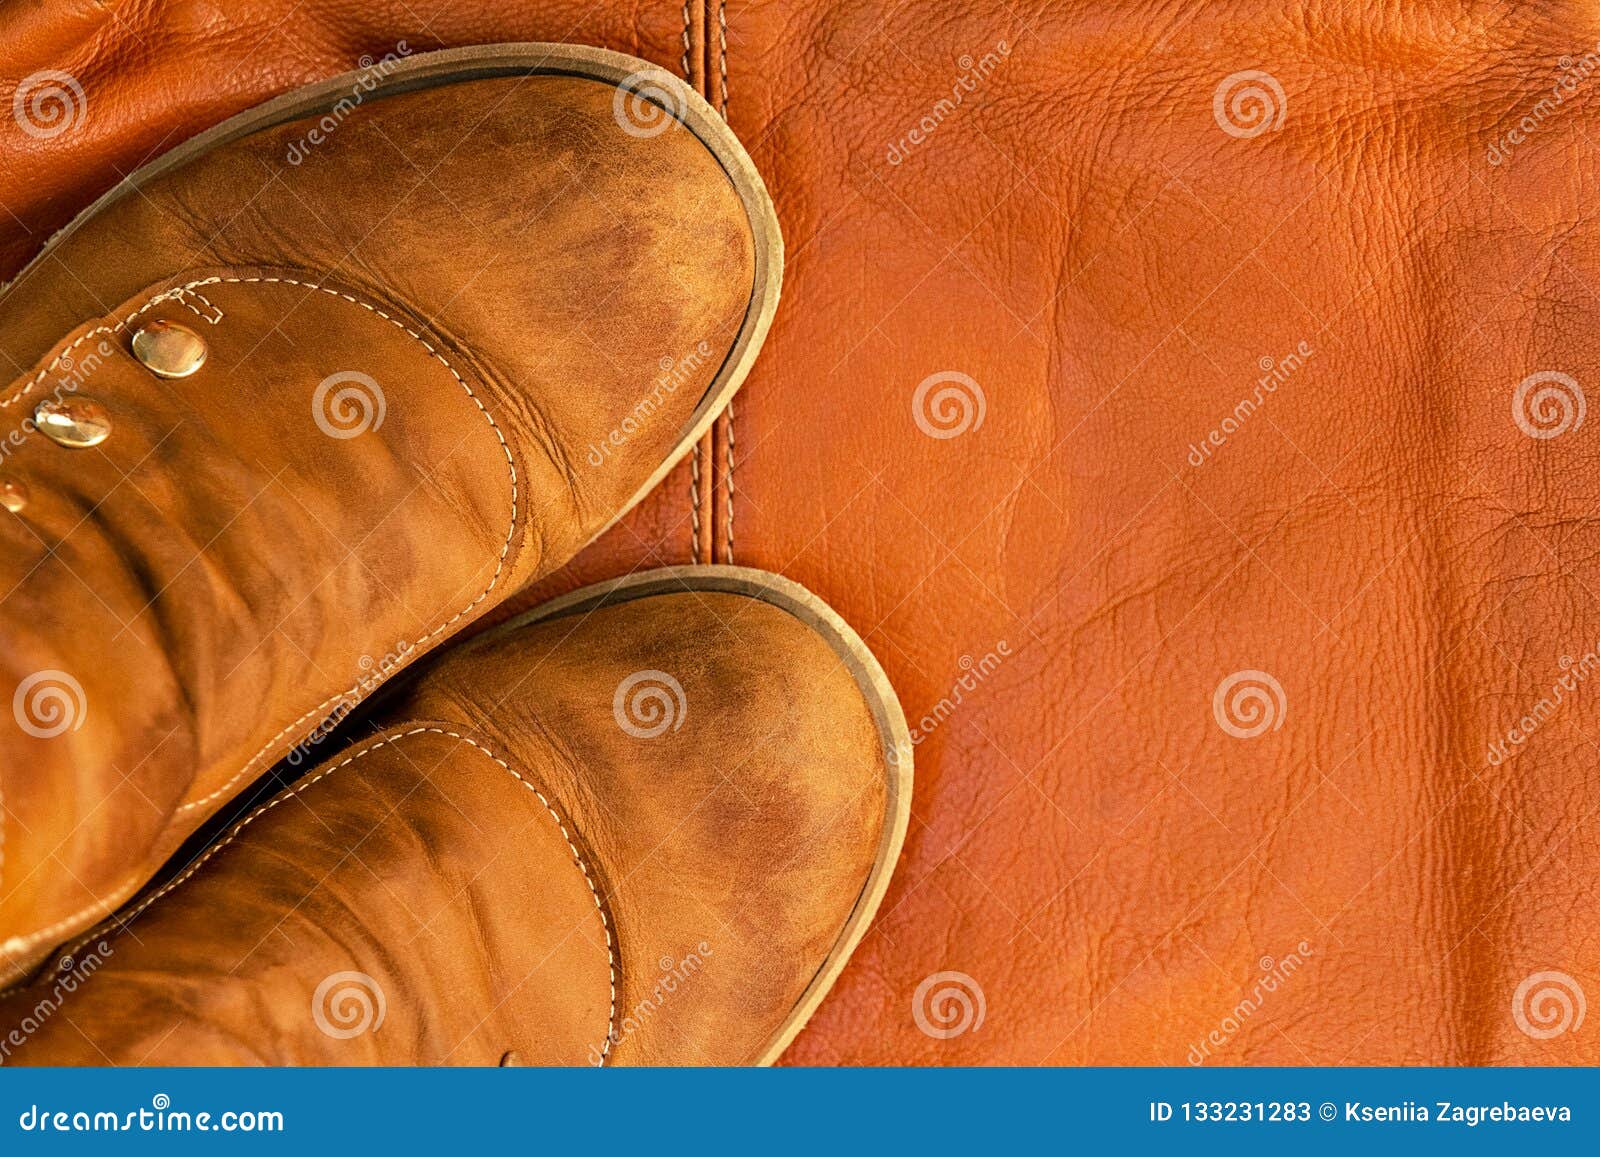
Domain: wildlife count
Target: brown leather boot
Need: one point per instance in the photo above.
(646, 825)
(304, 397)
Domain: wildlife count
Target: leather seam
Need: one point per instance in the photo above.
(727, 416)
(390, 741)
(356, 693)
(695, 454)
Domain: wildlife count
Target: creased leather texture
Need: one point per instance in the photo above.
(520, 836)
(412, 902)
(392, 433)
(1081, 237)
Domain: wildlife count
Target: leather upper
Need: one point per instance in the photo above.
(1057, 593)
(395, 428)
(416, 863)
(629, 835)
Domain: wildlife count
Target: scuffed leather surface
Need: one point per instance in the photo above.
(506, 849)
(735, 816)
(413, 901)
(1108, 866)
(247, 555)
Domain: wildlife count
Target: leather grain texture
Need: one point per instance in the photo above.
(1244, 627)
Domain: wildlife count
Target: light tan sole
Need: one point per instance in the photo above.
(870, 678)
(456, 65)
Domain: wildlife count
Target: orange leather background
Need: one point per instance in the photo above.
(1060, 590)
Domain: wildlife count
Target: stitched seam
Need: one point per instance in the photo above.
(183, 296)
(694, 456)
(390, 740)
(354, 694)
(722, 40)
(687, 75)
(722, 53)
(694, 502)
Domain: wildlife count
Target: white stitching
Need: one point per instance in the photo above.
(577, 856)
(182, 296)
(18, 945)
(722, 38)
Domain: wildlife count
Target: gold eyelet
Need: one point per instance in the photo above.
(169, 350)
(76, 423)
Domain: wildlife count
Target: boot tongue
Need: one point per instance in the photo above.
(414, 902)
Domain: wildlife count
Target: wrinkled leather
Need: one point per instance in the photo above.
(1078, 235)
(514, 864)
(247, 554)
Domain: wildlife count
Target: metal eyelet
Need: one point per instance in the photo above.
(169, 350)
(76, 423)
(13, 495)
